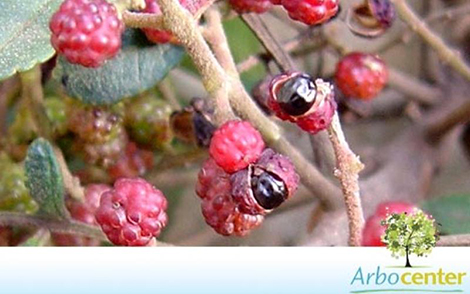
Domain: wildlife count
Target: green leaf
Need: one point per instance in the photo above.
(451, 212)
(24, 34)
(138, 67)
(44, 179)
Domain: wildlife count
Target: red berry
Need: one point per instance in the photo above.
(276, 2)
(297, 98)
(132, 213)
(86, 32)
(133, 163)
(156, 36)
(160, 36)
(218, 207)
(264, 185)
(235, 145)
(373, 229)
(247, 6)
(311, 12)
(360, 75)
(85, 213)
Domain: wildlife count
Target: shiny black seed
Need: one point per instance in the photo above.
(297, 95)
(269, 190)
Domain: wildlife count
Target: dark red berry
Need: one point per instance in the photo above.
(86, 32)
(276, 2)
(300, 99)
(311, 12)
(360, 75)
(266, 184)
(83, 212)
(247, 6)
(373, 228)
(218, 206)
(132, 213)
(235, 145)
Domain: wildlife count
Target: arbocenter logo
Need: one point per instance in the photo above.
(407, 235)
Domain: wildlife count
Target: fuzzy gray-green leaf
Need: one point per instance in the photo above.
(24, 34)
(44, 179)
(138, 67)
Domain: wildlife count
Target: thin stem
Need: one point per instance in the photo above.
(449, 13)
(59, 226)
(215, 35)
(259, 27)
(178, 20)
(438, 127)
(454, 240)
(143, 20)
(415, 89)
(166, 88)
(32, 91)
(71, 183)
(214, 78)
(446, 54)
(347, 171)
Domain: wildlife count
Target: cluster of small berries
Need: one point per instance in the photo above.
(242, 181)
(88, 32)
(131, 213)
(310, 12)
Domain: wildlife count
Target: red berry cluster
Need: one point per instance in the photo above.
(310, 12)
(86, 32)
(360, 75)
(298, 98)
(242, 181)
(374, 230)
(132, 213)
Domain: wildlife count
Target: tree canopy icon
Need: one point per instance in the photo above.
(408, 234)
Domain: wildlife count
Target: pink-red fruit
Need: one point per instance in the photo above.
(86, 32)
(311, 12)
(132, 213)
(218, 207)
(162, 36)
(373, 229)
(360, 75)
(235, 145)
(247, 6)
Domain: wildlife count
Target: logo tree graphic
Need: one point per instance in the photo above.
(408, 234)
